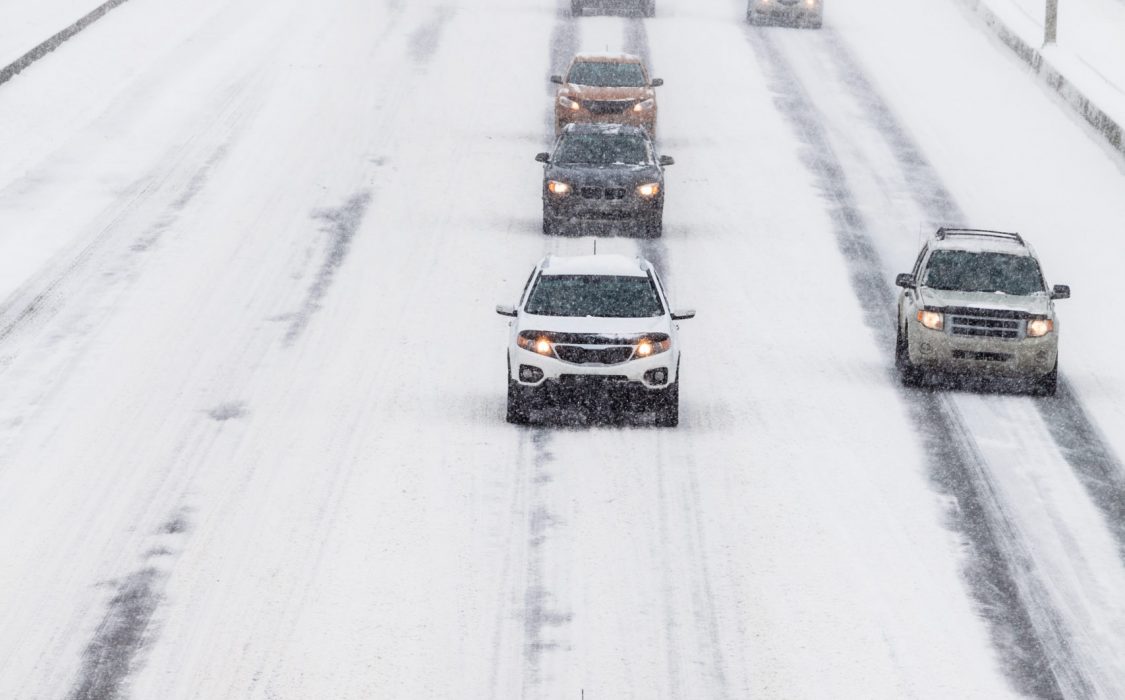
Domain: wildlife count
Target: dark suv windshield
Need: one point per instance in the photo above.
(603, 74)
(602, 149)
(966, 271)
(605, 296)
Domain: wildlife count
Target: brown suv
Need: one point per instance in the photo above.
(606, 88)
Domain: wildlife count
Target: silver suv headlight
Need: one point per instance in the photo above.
(1039, 327)
(934, 320)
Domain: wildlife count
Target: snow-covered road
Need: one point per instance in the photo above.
(252, 441)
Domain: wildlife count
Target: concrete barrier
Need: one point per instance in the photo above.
(10, 71)
(1110, 129)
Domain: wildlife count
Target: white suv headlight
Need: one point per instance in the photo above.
(647, 347)
(535, 342)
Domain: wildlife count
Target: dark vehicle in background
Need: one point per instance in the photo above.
(799, 13)
(645, 7)
(603, 173)
(608, 89)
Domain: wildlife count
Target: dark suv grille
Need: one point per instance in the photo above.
(577, 355)
(603, 192)
(608, 106)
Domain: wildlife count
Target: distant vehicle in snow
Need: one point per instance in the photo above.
(606, 88)
(977, 303)
(595, 330)
(645, 7)
(603, 172)
(802, 13)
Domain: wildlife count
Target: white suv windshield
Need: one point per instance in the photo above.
(965, 271)
(605, 296)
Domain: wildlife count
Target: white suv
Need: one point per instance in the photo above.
(596, 330)
(977, 303)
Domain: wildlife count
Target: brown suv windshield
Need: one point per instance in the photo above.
(604, 74)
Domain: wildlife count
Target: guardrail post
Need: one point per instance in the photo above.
(1051, 25)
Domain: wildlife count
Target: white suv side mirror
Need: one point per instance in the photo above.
(506, 310)
(683, 314)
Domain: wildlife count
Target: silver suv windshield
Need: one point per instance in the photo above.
(605, 296)
(968, 271)
(606, 74)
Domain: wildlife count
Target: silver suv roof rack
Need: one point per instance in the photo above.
(943, 233)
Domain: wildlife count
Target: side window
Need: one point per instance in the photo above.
(526, 286)
(918, 262)
(659, 284)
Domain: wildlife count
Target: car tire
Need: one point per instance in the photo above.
(519, 405)
(1048, 384)
(648, 8)
(652, 226)
(575, 8)
(912, 375)
(816, 22)
(668, 406)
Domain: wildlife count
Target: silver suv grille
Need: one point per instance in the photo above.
(984, 324)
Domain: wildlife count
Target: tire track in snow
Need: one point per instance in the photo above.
(1027, 631)
(341, 224)
(540, 612)
(126, 628)
(1078, 438)
(656, 251)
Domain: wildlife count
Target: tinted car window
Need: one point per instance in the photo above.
(601, 74)
(605, 296)
(603, 149)
(966, 271)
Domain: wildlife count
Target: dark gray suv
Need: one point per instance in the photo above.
(645, 7)
(603, 173)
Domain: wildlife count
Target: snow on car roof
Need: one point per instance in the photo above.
(619, 265)
(608, 57)
(981, 244)
(601, 128)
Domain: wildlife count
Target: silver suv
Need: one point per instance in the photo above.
(977, 303)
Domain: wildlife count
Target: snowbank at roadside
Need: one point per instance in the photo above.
(1087, 64)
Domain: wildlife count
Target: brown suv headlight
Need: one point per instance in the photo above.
(569, 103)
(1039, 327)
